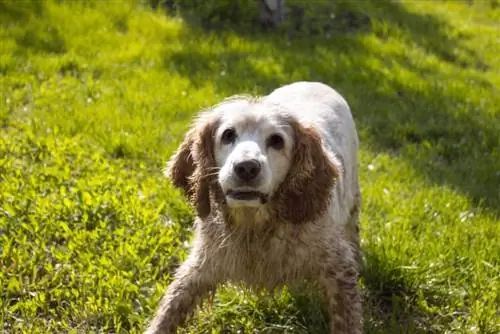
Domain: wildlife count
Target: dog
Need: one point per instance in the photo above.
(274, 182)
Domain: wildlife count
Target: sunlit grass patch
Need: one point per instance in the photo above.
(94, 97)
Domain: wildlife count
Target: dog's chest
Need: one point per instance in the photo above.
(266, 258)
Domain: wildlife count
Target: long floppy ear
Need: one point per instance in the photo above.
(305, 193)
(181, 166)
(204, 176)
(191, 168)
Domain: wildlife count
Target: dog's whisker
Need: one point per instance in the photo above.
(204, 176)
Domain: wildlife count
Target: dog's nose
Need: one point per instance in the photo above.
(247, 170)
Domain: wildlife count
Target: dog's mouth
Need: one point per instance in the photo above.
(247, 195)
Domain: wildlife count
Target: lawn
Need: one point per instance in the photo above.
(95, 96)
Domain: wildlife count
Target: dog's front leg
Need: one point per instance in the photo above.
(343, 297)
(190, 285)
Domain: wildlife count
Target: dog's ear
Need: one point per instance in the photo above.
(305, 193)
(205, 175)
(181, 165)
(191, 167)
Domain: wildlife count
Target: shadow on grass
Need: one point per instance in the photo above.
(37, 36)
(430, 32)
(11, 12)
(391, 303)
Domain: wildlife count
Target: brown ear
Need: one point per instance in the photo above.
(205, 174)
(305, 193)
(181, 166)
(192, 166)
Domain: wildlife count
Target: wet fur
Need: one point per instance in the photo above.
(292, 239)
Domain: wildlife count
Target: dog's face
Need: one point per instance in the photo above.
(249, 154)
(253, 149)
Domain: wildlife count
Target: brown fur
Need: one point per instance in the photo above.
(192, 168)
(181, 165)
(292, 240)
(353, 230)
(311, 173)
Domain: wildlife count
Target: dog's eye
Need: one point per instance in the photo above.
(228, 136)
(275, 141)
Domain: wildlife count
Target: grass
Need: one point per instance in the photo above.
(96, 95)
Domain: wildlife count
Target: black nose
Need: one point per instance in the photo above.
(247, 170)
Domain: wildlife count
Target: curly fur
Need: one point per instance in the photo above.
(311, 173)
(307, 231)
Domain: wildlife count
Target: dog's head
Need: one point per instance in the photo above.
(244, 153)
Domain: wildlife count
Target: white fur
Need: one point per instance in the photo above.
(251, 144)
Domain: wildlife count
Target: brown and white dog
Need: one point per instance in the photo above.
(274, 181)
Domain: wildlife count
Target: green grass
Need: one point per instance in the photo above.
(96, 95)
